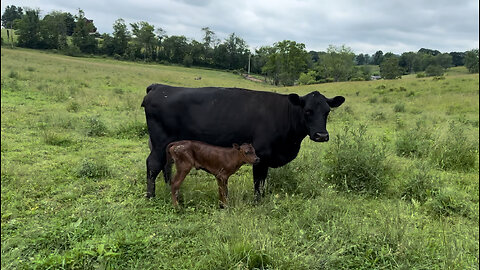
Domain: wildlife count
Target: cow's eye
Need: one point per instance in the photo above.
(308, 112)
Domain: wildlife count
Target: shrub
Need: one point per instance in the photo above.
(355, 162)
(421, 75)
(434, 70)
(72, 50)
(453, 151)
(307, 78)
(96, 127)
(93, 168)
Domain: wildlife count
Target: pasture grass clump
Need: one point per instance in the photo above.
(354, 162)
(414, 142)
(453, 150)
(132, 130)
(96, 127)
(449, 201)
(93, 169)
(399, 107)
(420, 185)
(55, 138)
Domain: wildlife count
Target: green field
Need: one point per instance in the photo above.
(395, 187)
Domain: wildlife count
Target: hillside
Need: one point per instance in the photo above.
(395, 187)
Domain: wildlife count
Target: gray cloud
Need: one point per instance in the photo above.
(365, 26)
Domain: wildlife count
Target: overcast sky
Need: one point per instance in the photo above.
(365, 26)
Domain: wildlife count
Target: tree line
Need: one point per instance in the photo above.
(283, 63)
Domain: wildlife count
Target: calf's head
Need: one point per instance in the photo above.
(247, 153)
(315, 108)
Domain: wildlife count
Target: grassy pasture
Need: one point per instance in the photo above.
(73, 145)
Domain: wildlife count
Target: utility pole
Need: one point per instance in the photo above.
(249, 55)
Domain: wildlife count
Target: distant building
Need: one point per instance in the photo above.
(375, 77)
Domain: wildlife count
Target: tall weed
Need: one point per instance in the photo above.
(452, 150)
(355, 162)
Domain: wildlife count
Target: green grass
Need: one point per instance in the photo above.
(74, 145)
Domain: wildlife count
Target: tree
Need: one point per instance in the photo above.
(236, 52)
(28, 29)
(429, 51)
(11, 14)
(390, 69)
(144, 35)
(458, 58)
(471, 60)
(81, 36)
(338, 63)
(286, 62)
(53, 31)
(407, 61)
(121, 36)
(377, 58)
(175, 48)
(444, 60)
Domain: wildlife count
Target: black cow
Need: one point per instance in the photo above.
(274, 123)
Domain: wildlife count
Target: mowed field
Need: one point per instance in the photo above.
(396, 187)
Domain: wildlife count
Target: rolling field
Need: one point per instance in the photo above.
(396, 187)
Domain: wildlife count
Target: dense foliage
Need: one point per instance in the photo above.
(285, 63)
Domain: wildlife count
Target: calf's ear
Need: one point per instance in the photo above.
(236, 146)
(335, 102)
(296, 100)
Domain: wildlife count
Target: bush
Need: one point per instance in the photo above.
(72, 50)
(93, 168)
(421, 75)
(355, 162)
(453, 151)
(434, 70)
(307, 78)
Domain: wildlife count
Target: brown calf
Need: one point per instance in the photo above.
(219, 161)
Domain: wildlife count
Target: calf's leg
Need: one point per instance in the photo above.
(222, 191)
(182, 170)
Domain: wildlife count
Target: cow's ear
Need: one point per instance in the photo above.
(335, 102)
(236, 146)
(296, 100)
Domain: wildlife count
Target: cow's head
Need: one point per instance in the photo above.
(316, 107)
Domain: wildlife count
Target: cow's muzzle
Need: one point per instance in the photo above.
(256, 161)
(320, 137)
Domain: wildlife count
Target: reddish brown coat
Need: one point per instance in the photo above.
(219, 161)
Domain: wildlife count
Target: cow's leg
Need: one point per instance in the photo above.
(153, 169)
(222, 190)
(260, 172)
